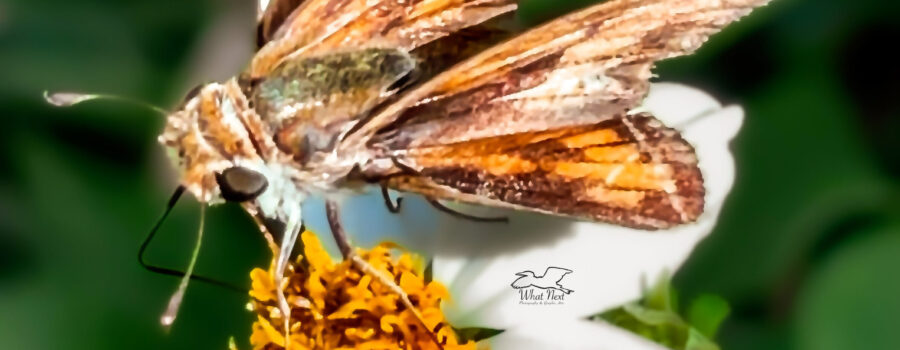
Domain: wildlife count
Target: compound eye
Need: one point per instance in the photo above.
(239, 184)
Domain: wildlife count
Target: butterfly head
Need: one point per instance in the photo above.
(211, 141)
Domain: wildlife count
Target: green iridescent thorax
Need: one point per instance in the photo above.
(310, 101)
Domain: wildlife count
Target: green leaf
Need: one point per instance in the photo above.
(851, 298)
(706, 314)
(656, 317)
(475, 334)
(651, 316)
(429, 271)
(661, 296)
(697, 341)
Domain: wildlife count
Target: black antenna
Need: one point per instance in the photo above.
(171, 272)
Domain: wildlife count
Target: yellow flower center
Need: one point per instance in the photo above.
(335, 306)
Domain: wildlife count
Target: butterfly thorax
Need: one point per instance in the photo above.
(287, 124)
(311, 103)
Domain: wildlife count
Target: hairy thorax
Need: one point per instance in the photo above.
(286, 125)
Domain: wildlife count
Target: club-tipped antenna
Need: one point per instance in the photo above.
(69, 99)
(168, 317)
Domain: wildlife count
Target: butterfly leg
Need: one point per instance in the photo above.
(292, 230)
(439, 206)
(340, 236)
(391, 207)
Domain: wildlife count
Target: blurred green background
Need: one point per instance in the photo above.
(806, 252)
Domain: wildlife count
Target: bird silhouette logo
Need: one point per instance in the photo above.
(549, 280)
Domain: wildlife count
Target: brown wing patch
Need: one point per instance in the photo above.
(438, 55)
(321, 26)
(629, 170)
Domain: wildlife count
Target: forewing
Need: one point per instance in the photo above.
(628, 170)
(576, 70)
(319, 26)
(437, 56)
(272, 16)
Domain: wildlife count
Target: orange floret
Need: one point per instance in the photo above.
(335, 306)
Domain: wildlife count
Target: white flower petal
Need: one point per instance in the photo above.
(674, 104)
(571, 335)
(711, 136)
